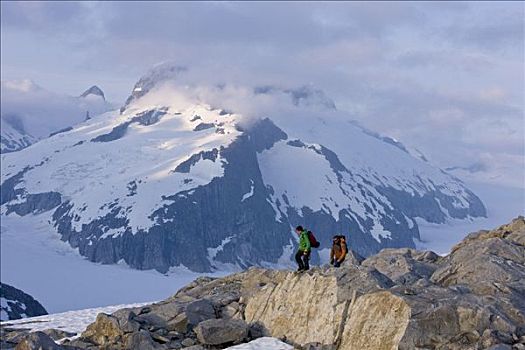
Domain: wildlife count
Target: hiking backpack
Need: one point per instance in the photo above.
(313, 241)
(343, 238)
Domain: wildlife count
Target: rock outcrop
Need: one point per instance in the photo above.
(474, 298)
(16, 304)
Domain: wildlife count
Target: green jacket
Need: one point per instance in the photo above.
(304, 242)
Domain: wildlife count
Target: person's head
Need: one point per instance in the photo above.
(336, 238)
(299, 229)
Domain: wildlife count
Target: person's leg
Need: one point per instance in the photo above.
(299, 260)
(306, 261)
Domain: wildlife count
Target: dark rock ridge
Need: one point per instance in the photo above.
(94, 90)
(16, 304)
(69, 128)
(144, 118)
(473, 298)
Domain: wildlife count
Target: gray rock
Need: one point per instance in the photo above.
(195, 347)
(179, 323)
(199, 311)
(126, 320)
(80, 344)
(360, 280)
(159, 338)
(232, 310)
(105, 330)
(402, 265)
(141, 340)
(500, 347)
(13, 335)
(188, 342)
(57, 334)
(38, 341)
(221, 331)
(353, 258)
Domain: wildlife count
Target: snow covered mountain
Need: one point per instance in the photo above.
(217, 176)
(31, 113)
(13, 136)
(15, 304)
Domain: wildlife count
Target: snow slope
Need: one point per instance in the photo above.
(35, 260)
(503, 204)
(12, 138)
(70, 321)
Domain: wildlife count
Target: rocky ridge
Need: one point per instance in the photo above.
(473, 298)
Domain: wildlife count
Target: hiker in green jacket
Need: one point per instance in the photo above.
(303, 253)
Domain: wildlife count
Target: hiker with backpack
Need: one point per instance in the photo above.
(338, 251)
(307, 241)
(302, 256)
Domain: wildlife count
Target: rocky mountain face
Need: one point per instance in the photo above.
(473, 298)
(15, 304)
(173, 179)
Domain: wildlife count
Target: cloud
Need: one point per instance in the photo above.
(439, 76)
(39, 112)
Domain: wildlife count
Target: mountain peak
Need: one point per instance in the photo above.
(94, 90)
(160, 73)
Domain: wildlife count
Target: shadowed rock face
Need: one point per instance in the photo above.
(16, 304)
(357, 306)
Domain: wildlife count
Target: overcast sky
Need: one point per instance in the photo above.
(444, 77)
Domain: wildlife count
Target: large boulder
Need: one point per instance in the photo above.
(217, 332)
(404, 265)
(38, 341)
(314, 303)
(490, 264)
(105, 330)
(141, 340)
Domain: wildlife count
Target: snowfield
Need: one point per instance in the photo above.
(503, 204)
(35, 260)
(70, 321)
